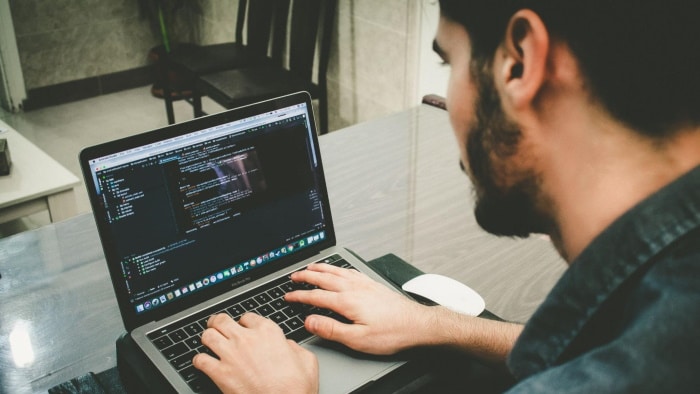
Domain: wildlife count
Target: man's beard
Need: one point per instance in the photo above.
(506, 196)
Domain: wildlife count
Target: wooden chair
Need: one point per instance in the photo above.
(262, 19)
(310, 27)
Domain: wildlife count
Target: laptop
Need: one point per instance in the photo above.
(212, 216)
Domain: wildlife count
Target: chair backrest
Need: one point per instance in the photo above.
(259, 25)
(240, 20)
(303, 31)
(308, 19)
(435, 101)
(327, 32)
(279, 31)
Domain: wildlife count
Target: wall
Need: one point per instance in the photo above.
(76, 49)
(66, 40)
(218, 21)
(433, 76)
(373, 65)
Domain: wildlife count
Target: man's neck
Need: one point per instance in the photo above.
(602, 170)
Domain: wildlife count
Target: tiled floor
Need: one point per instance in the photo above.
(63, 130)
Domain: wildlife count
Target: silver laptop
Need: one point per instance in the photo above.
(211, 216)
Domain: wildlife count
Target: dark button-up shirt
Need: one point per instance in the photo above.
(625, 316)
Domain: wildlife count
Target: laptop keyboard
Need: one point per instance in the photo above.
(180, 341)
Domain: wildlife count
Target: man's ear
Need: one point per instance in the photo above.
(522, 63)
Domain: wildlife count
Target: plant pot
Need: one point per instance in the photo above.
(181, 85)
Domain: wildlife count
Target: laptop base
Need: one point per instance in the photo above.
(455, 371)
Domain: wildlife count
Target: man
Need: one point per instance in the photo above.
(578, 119)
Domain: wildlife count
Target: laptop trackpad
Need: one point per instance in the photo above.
(343, 370)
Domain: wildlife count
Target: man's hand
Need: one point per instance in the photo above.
(255, 357)
(385, 322)
(382, 319)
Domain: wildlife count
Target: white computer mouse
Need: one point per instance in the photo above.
(447, 292)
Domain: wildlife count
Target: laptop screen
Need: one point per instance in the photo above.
(203, 209)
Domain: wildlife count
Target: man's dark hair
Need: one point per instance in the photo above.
(640, 58)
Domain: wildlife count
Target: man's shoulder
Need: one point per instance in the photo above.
(671, 284)
(643, 339)
(674, 271)
(626, 311)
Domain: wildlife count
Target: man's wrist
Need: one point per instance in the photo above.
(487, 339)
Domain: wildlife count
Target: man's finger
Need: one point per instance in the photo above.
(324, 280)
(224, 324)
(206, 363)
(331, 269)
(255, 321)
(317, 297)
(215, 340)
(329, 328)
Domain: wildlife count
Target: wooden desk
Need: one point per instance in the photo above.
(36, 182)
(395, 187)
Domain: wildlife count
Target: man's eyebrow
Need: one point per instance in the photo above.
(439, 51)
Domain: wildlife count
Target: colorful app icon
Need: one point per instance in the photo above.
(212, 278)
(163, 299)
(302, 243)
(259, 260)
(139, 308)
(177, 293)
(147, 304)
(205, 281)
(322, 235)
(155, 302)
(219, 276)
(199, 284)
(170, 295)
(227, 273)
(185, 290)
(192, 287)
